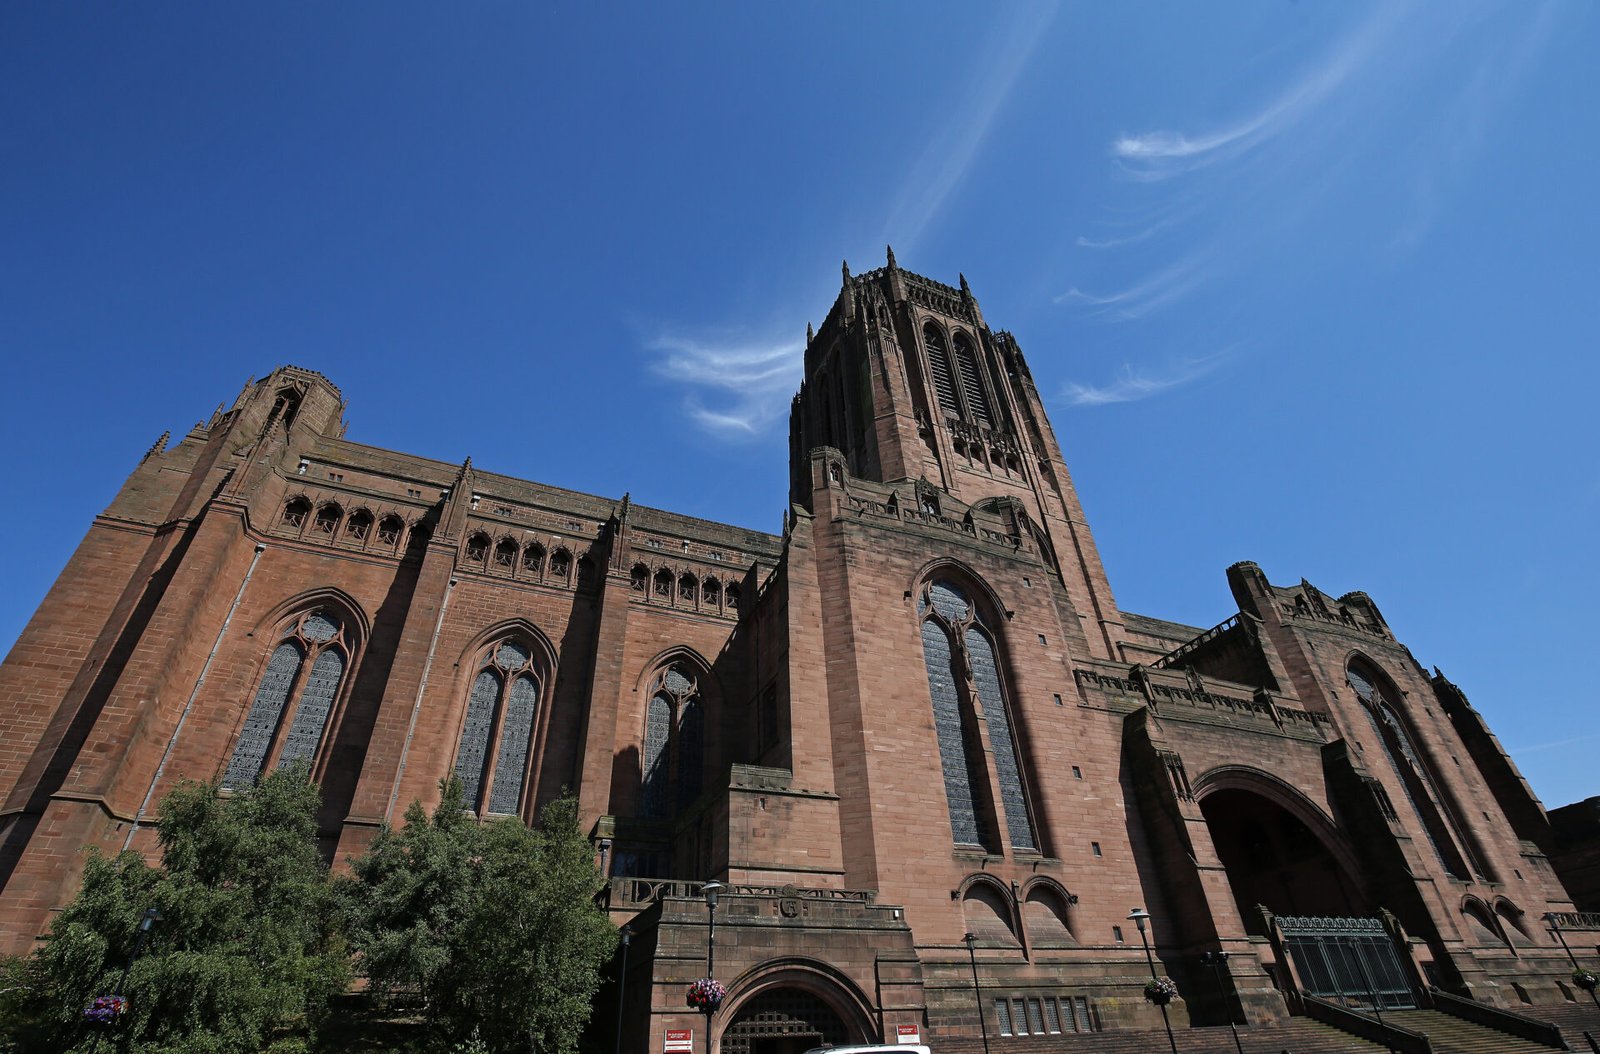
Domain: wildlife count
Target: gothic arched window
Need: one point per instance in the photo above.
(327, 521)
(939, 363)
(358, 526)
(478, 548)
(389, 529)
(1411, 766)
(505, 554)
(533, 558)
(964, 680)
(297, 694)
(560, 564)
(492, 761)
(295, 513)
(972, 382)
(674, 743)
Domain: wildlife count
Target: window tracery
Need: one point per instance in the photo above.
(389, 530)
(1416, 776)
(327, 521)
(964, 680)
(533, 558)
(492, 759)
(560, 565)
(295, 513)
(297, 693)
(359, 526)
(477, 548)
(674, 743)
(505, 554)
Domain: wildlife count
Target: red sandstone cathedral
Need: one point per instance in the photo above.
(930, 760)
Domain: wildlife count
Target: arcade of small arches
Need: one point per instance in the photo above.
(528, 561)
(359, 529)
(684, 589)
(1038, 915)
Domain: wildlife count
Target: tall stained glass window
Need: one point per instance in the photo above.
(1413, 771)
(299, 690)
(954, 642)
(492, 760)
(674, 743)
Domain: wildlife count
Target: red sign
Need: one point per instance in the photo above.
(908, 1034)
(679, 1041)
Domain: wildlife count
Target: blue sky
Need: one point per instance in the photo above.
(1311, 284)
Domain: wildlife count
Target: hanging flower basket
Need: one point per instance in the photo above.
(1161, 990)
(1585, 979)
(106, 1009)
(706, 994)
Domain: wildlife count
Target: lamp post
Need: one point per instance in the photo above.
(150, 917)
(1217, 960)
(1554, 920)
(971, 940)
(622, 985)
(710, 891)
(1139, 916)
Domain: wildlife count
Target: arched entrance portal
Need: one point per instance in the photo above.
(785, 1021)
(1273, 858)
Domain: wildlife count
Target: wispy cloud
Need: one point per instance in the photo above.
(1133, 383)
(753, 379)
(948, 156)
(1162, 154)
(1555, 744)
(1143, 297)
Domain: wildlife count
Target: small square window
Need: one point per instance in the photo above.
(1042, 640)
(1116, 934)
(1027, 583)
(1057, 697)
(1077, 773)
(1095, 846)
(1514, 871)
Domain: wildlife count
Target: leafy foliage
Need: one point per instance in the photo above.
(495, 924)
(247, 941)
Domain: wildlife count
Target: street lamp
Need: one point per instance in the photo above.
(971, 940)
(1139, 916)
(1218, 960)
(622, 985)
(1554, 920)
(710, 891)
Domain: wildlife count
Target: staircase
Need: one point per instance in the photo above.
(1574, 1019)
(1452, 1035)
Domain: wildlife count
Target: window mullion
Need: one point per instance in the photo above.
(291, 705)
(491, 749)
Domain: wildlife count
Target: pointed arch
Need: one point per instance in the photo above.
(508, 672)
(1413, 766)
(682, 696)
(941, 373)
(301, 687)
(830, 985)
(989, 910)
(972, 381)
(984, 775)
(1047, 912)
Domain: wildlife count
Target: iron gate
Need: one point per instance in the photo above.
(1351, 961)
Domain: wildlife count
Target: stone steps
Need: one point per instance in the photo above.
(1574, 1019)
(1452, 1035)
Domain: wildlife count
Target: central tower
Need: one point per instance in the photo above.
(908, 384)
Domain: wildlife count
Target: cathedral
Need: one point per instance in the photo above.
(905, 771)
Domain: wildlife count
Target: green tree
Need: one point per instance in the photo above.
(495, 923)
(248, 940)
(411, 893)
